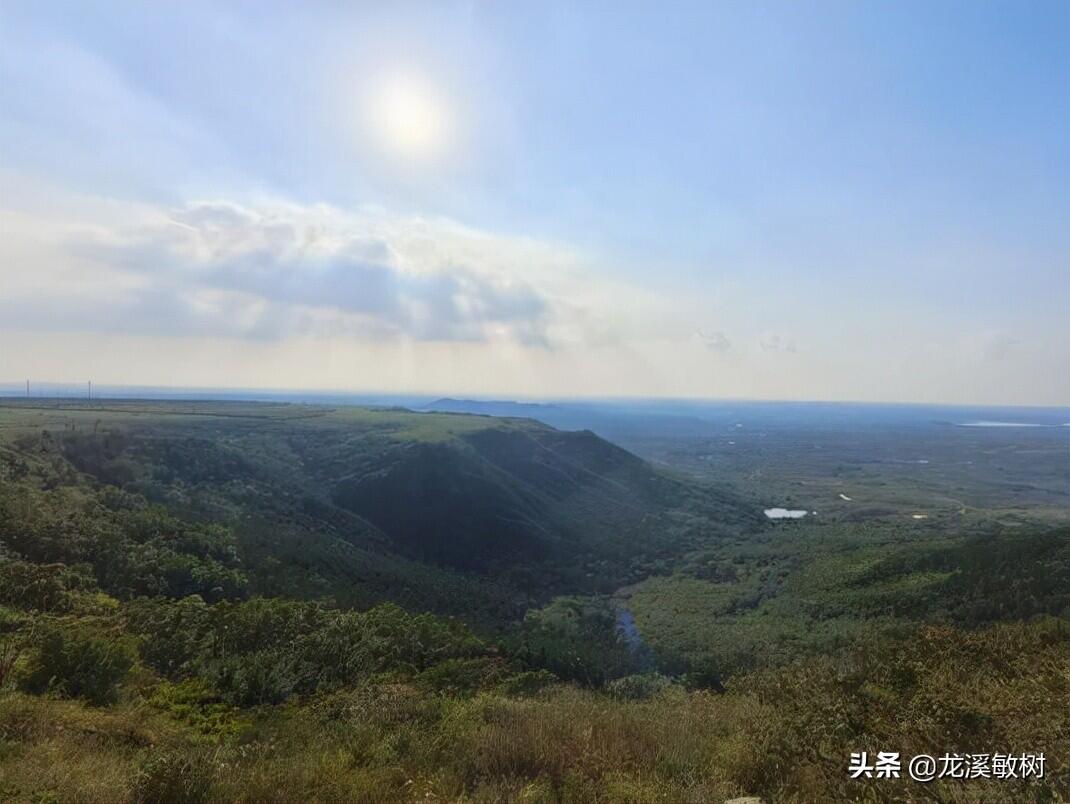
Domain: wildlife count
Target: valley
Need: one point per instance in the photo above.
(258, 571)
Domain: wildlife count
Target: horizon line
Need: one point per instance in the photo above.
(78, 391)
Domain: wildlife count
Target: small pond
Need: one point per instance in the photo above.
(785, 513)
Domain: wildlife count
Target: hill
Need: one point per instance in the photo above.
(507, 408)
(360, 504)
(631, 425)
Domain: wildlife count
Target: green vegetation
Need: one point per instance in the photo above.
(816, 589)
(454, 514)
(784, 734)
(275, 603)
(77, 666)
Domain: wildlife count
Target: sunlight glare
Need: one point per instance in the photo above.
(410, 118)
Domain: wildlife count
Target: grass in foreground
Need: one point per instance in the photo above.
(783, 734)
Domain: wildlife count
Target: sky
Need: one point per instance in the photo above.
(822, 200)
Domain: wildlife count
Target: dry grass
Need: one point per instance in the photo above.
(785, 735)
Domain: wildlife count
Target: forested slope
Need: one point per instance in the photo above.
(442, 512)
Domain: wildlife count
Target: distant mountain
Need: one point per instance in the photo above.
(531, 410)
(561, 416)
(618, 423)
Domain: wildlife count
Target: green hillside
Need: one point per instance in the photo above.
(456, 514)
(261, 602)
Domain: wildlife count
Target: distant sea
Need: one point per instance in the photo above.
(1011, 424)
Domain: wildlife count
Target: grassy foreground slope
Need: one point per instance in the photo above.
(449, 733)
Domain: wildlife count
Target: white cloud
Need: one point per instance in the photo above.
(1000, 346)
(774, 342)
(715, 341)
(273, 270)
(266, 293)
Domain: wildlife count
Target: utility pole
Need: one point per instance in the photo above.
(27, 389)
(89, 393)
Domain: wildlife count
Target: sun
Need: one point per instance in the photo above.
(410, 117)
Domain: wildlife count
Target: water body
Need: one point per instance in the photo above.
(785, 513)
(1009, 424)
(629, 631)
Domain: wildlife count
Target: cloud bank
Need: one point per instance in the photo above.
(278, 270)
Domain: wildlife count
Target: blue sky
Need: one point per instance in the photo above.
(769, 200)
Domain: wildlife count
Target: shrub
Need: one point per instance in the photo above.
(173, 632)
(78, 666)
(259, 677)
(576, 640)
(12, 643)
(41, 587)
(638, 687)
(174, 776)
(460, 676)
(195, 703)
(528, 683)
